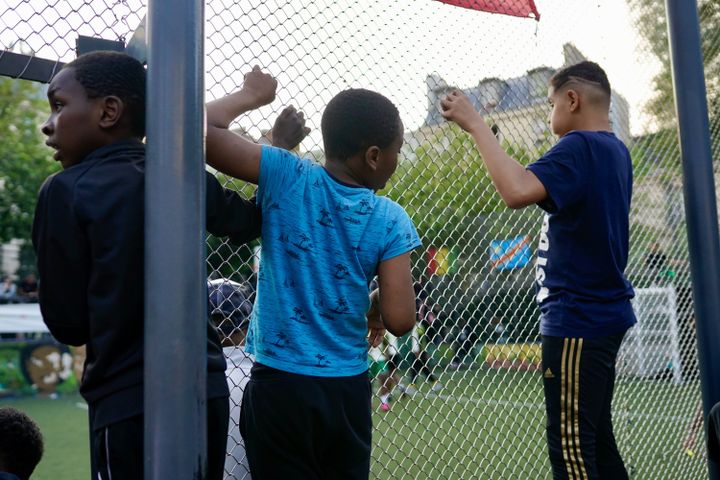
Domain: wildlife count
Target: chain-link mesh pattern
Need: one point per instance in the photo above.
(49, 29)
(469, 403)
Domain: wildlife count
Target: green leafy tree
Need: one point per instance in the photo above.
(651, 15)
(448, 193)
(446, 190)
(25, 161)
(656, 156)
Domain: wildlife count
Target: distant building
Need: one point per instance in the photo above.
(517, 108)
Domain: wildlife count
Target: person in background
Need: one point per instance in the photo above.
(28, 288)
(422, 334)
(230, 309)
(384, 361)
(8, 290)
(465, 341)
(656, 262)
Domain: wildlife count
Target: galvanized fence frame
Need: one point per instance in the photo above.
(442, 184)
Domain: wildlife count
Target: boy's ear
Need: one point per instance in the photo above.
(112, 111)
(573, 99)
(372, 157)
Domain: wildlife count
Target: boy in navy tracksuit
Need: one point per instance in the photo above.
(584, 184)
(89, 239)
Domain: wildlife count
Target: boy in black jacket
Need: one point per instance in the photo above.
(89, 238)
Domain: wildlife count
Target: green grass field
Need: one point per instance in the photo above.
(489, 424)
(485, 424)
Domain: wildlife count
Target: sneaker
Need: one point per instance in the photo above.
(437, 386)
(385, 407)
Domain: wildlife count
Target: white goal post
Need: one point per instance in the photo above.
(651, 348)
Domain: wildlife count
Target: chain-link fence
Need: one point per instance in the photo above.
(469, 403)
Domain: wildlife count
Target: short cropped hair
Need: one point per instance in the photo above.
(106, 73)
(357, 119)
(588, 71)
(21, 443)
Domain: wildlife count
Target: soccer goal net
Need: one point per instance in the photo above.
(652, 347)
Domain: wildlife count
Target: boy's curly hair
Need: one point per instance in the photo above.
(21, 443)
(106, 73)
(357, 119)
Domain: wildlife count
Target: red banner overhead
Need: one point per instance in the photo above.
(516, 8)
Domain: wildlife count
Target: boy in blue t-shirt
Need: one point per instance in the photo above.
(584, 184)
(326, 234)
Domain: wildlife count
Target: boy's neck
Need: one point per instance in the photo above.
(108, 143)
(344, 171)
(593, 123)
(120, 135)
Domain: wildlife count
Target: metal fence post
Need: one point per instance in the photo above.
(175, 333)
(699, 186)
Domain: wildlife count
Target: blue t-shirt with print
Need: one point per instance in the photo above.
(322, 242)
(582, 290)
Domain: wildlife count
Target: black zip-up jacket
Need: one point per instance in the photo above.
(88, 235)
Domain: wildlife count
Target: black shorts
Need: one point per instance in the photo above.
(306, 427)
(117, 449)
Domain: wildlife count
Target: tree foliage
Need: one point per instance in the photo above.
(656, 156)
(446, 189)
(448, 193)
(25, 161)
(651, 15)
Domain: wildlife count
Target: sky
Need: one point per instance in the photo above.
(318, 48)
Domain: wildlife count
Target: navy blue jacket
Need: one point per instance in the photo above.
(88, 235)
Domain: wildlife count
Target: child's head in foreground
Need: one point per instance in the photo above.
(362, 130)
(95, 100)
(21, 443)
(575, 93)
(230, 310)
